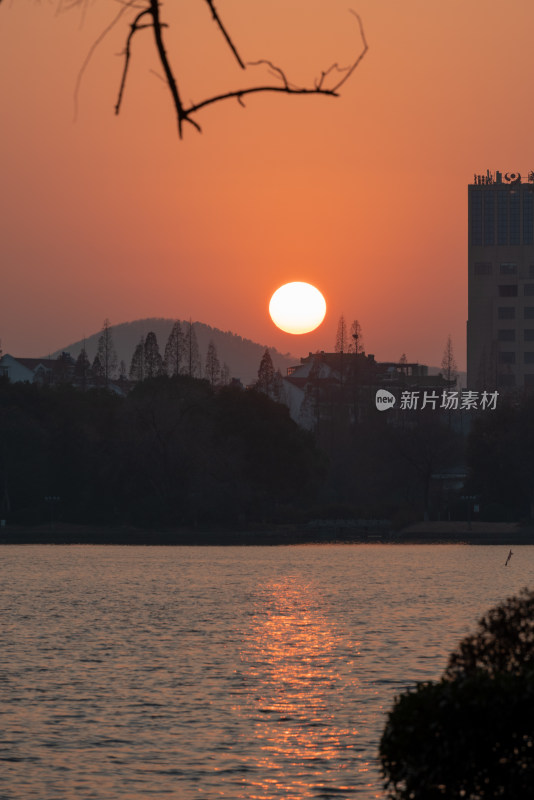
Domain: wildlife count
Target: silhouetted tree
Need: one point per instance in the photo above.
(265, 373)
(504, 641)
(191, 352)
(471, 734)
(212, 369)
(341, 336)
(356, 338)
(174, 350)
(448, 362)
(137, 365)
(153, 363)
(106, 352)
(82, 369)
(97, 371)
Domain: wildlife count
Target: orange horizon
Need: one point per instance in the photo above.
(364, 196)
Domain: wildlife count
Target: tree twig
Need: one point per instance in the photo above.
(225, 33)
(126, 6)
(134, 27)
(353, 66)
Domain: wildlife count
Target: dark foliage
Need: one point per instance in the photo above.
(500, 455)
(503, 643)
(468, 738)
(174, 451)
(472, 734)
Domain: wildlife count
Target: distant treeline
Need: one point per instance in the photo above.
(178, 451)
(172, 452)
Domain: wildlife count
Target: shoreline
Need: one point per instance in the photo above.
(478, 533)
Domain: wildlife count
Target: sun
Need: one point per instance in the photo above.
(297, 307)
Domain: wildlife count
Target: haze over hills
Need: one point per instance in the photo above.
(243, 356)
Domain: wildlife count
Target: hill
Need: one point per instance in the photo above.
(242, 355)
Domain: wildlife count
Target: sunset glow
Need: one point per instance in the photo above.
(297, 307)
(367, 189)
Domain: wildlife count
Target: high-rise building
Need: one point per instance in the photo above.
(500, 327)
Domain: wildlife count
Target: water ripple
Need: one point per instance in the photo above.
(242, 673)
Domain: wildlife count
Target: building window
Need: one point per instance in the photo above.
(506, 380)
(528, 334)
(508, 290)
(528, 312)
(507, 358)
(506, 312)
(476, 217)
(528, 358)
(514, 217)
(529, 289)
(506, 335)
(508, 269)
(489, 218)
(502, 217)
(482, 267)
(531, 270)
(529, 380)
(528, 218)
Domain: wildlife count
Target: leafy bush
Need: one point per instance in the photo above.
(503, 643)
(471, 735)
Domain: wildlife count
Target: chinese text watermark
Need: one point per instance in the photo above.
(447, 400)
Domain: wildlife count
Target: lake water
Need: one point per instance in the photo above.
(240, 673)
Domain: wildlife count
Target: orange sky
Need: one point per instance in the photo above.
(364, 195)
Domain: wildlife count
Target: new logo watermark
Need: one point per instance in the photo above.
(445, 400)
(384, 400)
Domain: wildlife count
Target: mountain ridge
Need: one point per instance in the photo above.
(242, 355)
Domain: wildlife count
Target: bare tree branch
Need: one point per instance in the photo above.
(181, 115)
(151, 8)
(126, 7)
(287, 87)
(225, 33)
(134, 27)
(240, 93)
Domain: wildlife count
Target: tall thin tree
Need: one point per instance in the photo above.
(82, 369)
(152, 358)
(106, 352)
(356, 338)
(97, 371)
(174, 350)
(137, 365)
(192, 355)
(212, 369)
(265, 373)
(448, 362)
(341, 336)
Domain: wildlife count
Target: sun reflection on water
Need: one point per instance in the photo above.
(296, 683)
